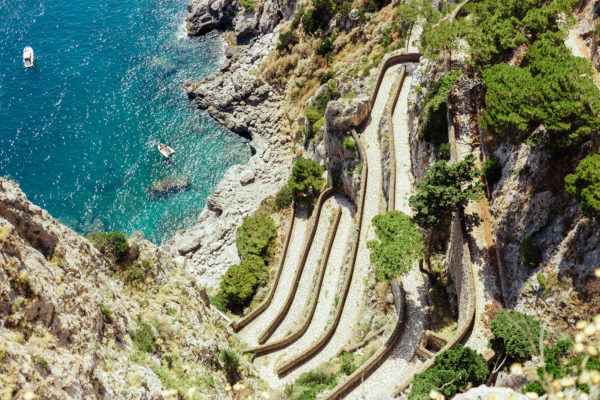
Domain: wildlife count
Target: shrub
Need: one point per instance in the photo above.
(347, 364)
(240, 282)
(492, 170)
(306, 180)
(318, 16)
(106, 314)
(248, 5)
(350, 144)
(324, 47)
(134, 275)
(516, 336)
(534, 387)
(453, 371)
(256, 236)
(313, 115)
(443, 152)
(327, 77)
(114, 245)
(287, 40)
(444, 189)
(400, 244)
(531, 252)
(283, 198)
(231, 363)
(309, 384)
(584, 185)
(144, 338)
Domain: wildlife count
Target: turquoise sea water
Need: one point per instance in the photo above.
(79, 130)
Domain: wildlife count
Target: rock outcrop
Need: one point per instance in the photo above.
(206, 15)
(68, 317)
(169, 186)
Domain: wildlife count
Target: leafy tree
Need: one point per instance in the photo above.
(552, 102)
(306, 181)
(516, 337)
(410, 13)
(531, 252)
(442, 40)
(453, 371)
(240, 282)
(444, 189)
(318, 16)
(283, 198)
(114, 245)
(400, 244)
(256, 236)
(584, 185)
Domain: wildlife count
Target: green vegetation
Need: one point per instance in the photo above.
(443, 152)
(286, 41)
(318, 16)
(231, 364)
(584, 185)
(306, 181)
(400, 244)
(143, 337)
(256, 236)
(516, 336)
(531, 252)
(42, 363)
(314, 116)
(350, 144)
(248, 5)
(444, 189)
(453, 371)
(492, 170)
(240, 282)
(433, 120)
(106, 314)
(348, 364)
(113, 245)
(283, 198)
(309, 384)
(325, 47)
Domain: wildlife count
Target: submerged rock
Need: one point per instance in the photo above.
(169, 186)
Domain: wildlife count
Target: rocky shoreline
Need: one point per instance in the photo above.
(249, 106)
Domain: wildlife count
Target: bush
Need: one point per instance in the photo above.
(516, 336)
(534, 387)
(492, 170)
(240, 282)
(256, 236)
(309, 384)
(453, 371)
(584, 185)
(350, 144)
(400, 244)
(531, 252)
(231, 364)
(286, 41)
(283, 198)
(443, 152)
(306, 181)
(113, 245)
(347, 364)
(144, 338)
(444, 189)
(318, 16)
(324, 47)
(327, 77)
(134, 275)
(248, 5)
(106, 314)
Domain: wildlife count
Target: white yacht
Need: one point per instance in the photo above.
(28, 57)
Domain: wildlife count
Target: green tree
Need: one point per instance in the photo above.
(256, 236)
(584, 185)
(453, 371)
(516, 337)
(445, 188)
(240, 282)
(410, 13)
(400, 244)
(283, 198)
(113, 245)
(306, 181)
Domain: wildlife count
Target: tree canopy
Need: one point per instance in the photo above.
(306, 181)
(516, 336)
(256, 236)
(240, 282)
(400, 244)
(445, 188)
(584, 185)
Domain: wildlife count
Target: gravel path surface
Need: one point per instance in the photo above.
(306, 285)
(404, 177)
(397, 367)
(266, 364)
(250, 333)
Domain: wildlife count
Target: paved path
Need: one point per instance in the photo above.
(339, 255)
(252, 331)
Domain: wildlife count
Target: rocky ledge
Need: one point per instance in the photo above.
(248, 105)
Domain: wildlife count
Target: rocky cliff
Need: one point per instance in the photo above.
(75, 325)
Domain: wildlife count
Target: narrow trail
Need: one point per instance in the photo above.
(266, 364)
(250, 333)
(399, 364)
(306, 286)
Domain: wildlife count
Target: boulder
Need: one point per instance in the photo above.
(169, 186)
(343, 115)
(247, 177)
(206, 15)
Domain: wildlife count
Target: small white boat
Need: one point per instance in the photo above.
(165, 150)
(28, 57)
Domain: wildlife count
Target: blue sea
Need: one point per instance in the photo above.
(79, 131)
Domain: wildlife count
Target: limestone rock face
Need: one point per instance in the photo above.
(206, 15)
(68, 316)
(343, 115)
